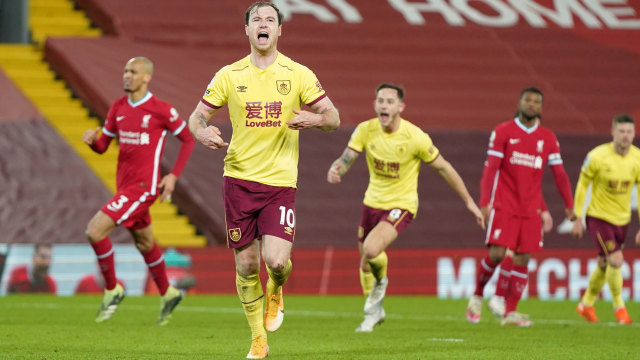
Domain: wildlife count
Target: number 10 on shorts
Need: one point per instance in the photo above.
(288, 216)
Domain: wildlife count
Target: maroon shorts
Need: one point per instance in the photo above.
(129, 207)
(399, 218)
(253, 209)
(520, 234)
(607, 237)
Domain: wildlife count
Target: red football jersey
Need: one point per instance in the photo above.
(20, 282)
(92, 284)
(522, 154)
(141, 129)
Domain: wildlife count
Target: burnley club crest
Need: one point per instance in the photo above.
(284, 86)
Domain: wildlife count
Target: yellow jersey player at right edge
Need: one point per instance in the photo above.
(264, 92)
(612, 169)
(395, 149)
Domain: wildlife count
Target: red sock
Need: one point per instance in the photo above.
(517, 283)
(504, 275)
(104, 252)
(155, 262)
(485, 270)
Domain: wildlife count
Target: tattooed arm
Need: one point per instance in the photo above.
(341, 165)
(208, 136)
(325, 118)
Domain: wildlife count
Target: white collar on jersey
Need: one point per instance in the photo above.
(141, 101)
(524, 128)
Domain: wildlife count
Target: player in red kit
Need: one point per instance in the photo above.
(141, 123)
(34, 278)
(511, 200)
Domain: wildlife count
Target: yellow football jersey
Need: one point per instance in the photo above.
(394, 162)
(262, 148)
(612, 177)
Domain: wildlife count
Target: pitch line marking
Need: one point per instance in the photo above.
(238, 310)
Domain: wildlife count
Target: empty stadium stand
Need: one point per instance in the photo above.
(453, 73)
(14, 105)
(24, 65)
(48, 195)
(58, 18)
(460, 80)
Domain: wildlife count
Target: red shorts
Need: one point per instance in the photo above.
(129, 207)
(607, 237)
(253, 209)
(520, 234)
(399, 218)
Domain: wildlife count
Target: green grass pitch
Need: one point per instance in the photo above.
(315, 327)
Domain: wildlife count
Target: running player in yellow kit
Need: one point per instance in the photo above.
(264, 92)
(612, 169)
(395, 150)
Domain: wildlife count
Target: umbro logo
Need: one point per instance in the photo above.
(118, 118)
(514, 141)
(241, 88)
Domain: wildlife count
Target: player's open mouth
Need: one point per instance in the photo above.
(263, 37)
(384, 116)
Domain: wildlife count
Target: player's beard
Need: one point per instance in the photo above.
(40, 274)
(528, 118)
(622, 145)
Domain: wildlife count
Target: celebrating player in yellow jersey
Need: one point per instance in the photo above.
(264, 92)
(612, 169)
(395, 150)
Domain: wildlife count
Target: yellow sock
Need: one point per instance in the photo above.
(614, 279)
(278, 279)
(367, 281)
(596, 281)
(378, 265)
(251, 295)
